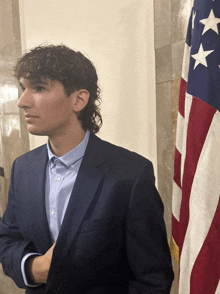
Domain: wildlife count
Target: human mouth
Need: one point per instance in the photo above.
(29, 117)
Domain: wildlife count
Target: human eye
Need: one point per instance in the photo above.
(39, 88)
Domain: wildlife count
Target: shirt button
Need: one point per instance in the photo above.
(71, 165)
(52, 212)
(58, 179)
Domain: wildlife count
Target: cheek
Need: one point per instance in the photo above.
(59, 113)
(54, 107)
(62, 105)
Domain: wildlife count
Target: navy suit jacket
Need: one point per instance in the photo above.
(112, 239)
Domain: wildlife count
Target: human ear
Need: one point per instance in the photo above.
(81, 100)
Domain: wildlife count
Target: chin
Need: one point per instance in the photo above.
(36, 132)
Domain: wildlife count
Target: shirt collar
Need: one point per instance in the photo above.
(73, 155)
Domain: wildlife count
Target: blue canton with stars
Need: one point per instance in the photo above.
(203, 36)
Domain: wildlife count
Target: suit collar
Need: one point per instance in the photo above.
(73, 155)
(94, 154)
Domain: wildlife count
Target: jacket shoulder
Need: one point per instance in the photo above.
(35, 154)
(122, 156)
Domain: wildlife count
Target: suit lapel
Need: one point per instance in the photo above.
(83, 195)
(35, 216)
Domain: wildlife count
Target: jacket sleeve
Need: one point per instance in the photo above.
(147, 247)
(12, 244)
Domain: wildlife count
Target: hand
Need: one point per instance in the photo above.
(40, 265)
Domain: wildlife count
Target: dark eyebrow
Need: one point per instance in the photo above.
(35, 83)
(38, 82)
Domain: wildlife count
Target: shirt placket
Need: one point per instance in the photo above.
(58, 176)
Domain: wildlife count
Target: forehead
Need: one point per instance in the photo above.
(33, 82)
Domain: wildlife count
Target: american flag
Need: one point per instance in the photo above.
(196, 188)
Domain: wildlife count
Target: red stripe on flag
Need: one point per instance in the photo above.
(200, 118)
(177, 168)
(183, 88)
(206, 271)
(175, 229)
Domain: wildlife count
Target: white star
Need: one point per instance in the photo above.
(200, 57)
(210, 23)
(193, 19)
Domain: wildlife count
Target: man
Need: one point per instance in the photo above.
(83, 215)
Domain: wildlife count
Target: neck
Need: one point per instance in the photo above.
(61, 145)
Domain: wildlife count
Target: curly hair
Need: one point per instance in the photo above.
(72, 69)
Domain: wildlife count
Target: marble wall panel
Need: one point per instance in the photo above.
(177, 50)
(13, 134)
(163, 64)
(180, 12)
(162, 20)
(14, 138)
(164, 149)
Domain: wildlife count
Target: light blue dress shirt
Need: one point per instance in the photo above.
(61, 175)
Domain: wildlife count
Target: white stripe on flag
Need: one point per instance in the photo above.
(186, 58)
(218, 288)
(177, 198)
(188, 103)
(179, 132)
(203, 202)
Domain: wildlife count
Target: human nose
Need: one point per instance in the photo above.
(25, 101)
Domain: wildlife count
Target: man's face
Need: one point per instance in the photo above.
(48, 110)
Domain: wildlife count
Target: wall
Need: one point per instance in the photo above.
(13, 132)
(118, 37)
(171, 20)
(13, 135)
(13, 138)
